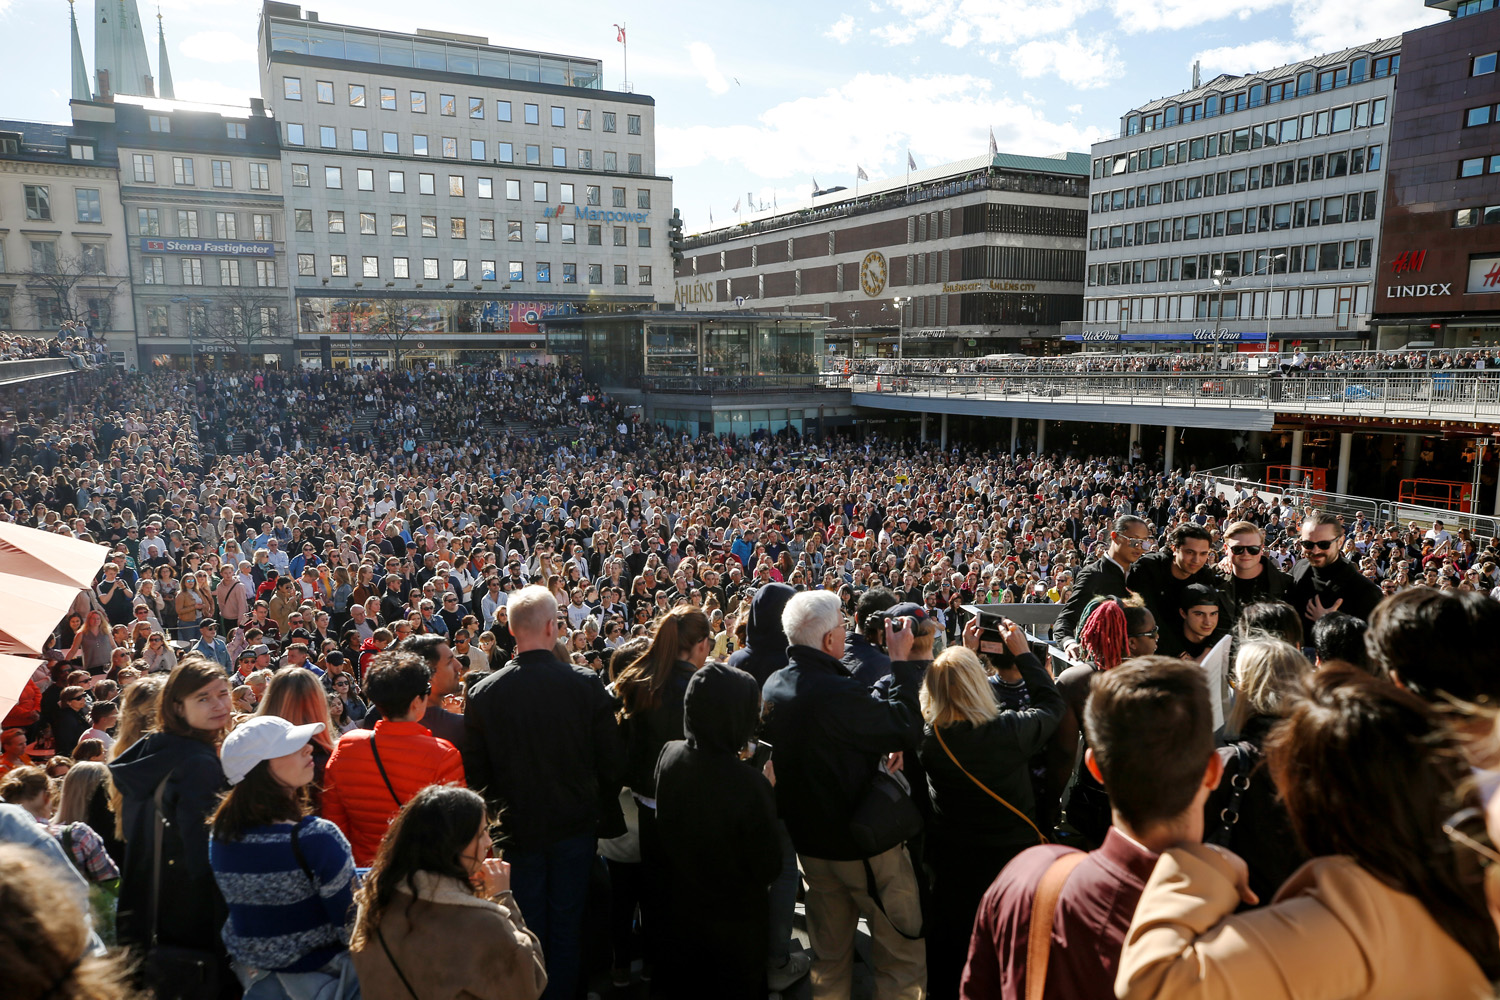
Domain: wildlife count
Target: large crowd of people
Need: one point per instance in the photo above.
(472, 682)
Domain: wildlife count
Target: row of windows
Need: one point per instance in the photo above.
(1331, 121)
(1235, 222)
(1259, 94)
(448, 106)
(1338, 302)
(225, 224)
(38, 199)
(458, 270)
(1482, 115)
(458, 228)
(1483, 65)
(221, 172)
(505, 152)
(1016, 309)
(1024, 263)
(48, 313)
(1301, 259)
(158, 321)
(231, 271)
(42, 257)
(484, 187)
(1465, 217)
(163, 123)
(1343, 163)
(1477, 165)
(1025, 220)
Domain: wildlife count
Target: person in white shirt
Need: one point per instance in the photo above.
(103, 715)
(1438, 534)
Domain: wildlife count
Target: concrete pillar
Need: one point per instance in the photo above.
(1135, 434)
(1412, 446)
(1041, 436)
(1166, 454)
(1296, 454)
(1015, 434)
(943, 432)
(924, 428)
(1346, 449)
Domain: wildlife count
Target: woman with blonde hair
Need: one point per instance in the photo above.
(977, 758)
(296, 695)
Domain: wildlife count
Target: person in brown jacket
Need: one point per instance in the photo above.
(1388, 909)
(283, 603)
(234, 603)
(436, 917)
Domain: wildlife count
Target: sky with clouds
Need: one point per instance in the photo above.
(755, 100)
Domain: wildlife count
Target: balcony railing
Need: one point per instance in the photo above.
(30, 369)
(1441, 394)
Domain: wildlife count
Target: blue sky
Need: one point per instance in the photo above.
(760, 98)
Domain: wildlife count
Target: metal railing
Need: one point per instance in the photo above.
(1392, 394)
(1379, 512)
(735, 383)
(1433, 360)
(30, 369)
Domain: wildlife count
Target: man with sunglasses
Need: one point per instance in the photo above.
(1104, 577)
(1324, 581)
(1253, 578)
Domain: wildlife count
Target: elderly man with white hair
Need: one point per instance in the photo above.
(829, 736)
(541, 745)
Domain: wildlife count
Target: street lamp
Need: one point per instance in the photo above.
(1222, 280)
(900, 301)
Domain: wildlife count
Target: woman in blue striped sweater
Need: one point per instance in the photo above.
(287, 876)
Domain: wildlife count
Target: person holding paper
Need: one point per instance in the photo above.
(1196, 629)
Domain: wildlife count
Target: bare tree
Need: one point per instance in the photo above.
(244, 318)
(67, 282)
(395, 321)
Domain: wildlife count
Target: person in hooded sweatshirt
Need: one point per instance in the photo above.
(766, 653)
(716, 816)
(180, 757)
(765, 650)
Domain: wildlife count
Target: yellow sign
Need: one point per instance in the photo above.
(689, 293)
(989, 286)
(872, 273)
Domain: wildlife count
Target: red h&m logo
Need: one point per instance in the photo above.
(1492, 277)
(1408, 260)
(156, 245)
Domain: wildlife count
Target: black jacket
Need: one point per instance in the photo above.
(1152, 578)
(68, 728)
(648, 730)
(716, 817)
(1271, 585)
(865, 660)
(1100, 578)
(998, 753)
(192, 911)
(542, 747)
(1260, 830)
(828, 734)
(1339, 581)
(765, 651)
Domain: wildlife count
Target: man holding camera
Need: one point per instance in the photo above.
(829, 737)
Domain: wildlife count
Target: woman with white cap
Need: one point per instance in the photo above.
(286, 875)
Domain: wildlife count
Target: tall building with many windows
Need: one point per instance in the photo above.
(62, 233)
(1248, 205)
(201, 188)
(445, 194)
(1439, 278)
(976, 257)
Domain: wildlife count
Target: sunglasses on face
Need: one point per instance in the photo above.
(1245, 550)
(1308, 545)
(1141, 635)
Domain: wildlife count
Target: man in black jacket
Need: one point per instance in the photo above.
(1104, 577)
(1252, 576)
(1324, 581)
(1161, 577)
(542, 747)
(829, 735)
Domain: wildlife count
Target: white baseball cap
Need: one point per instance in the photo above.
(264, 737)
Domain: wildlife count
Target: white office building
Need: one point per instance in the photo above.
(1245, 203)
(445, 195)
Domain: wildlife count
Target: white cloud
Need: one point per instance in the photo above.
(1170, 15)
(1328, 26)
(218, 47)
(1075, 109)
(1084, 65)
(707, 66)
(202, 91)
(841, 30)
(1251, 57)
(988, 22)
(941, 118)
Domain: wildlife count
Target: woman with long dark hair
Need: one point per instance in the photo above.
(174, 770)
(436, 916)
(287, 876)
(1388, 907)
(651, 691)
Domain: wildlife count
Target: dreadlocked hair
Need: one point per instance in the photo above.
(1105, 635)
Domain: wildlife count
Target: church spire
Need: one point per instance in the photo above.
(163, 68)
(81, 89)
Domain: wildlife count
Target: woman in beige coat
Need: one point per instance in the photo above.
(1388, 909)
(436, 917)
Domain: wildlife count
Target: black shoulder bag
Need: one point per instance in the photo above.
(1237, 773)
(174, 972)
(383, 776)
